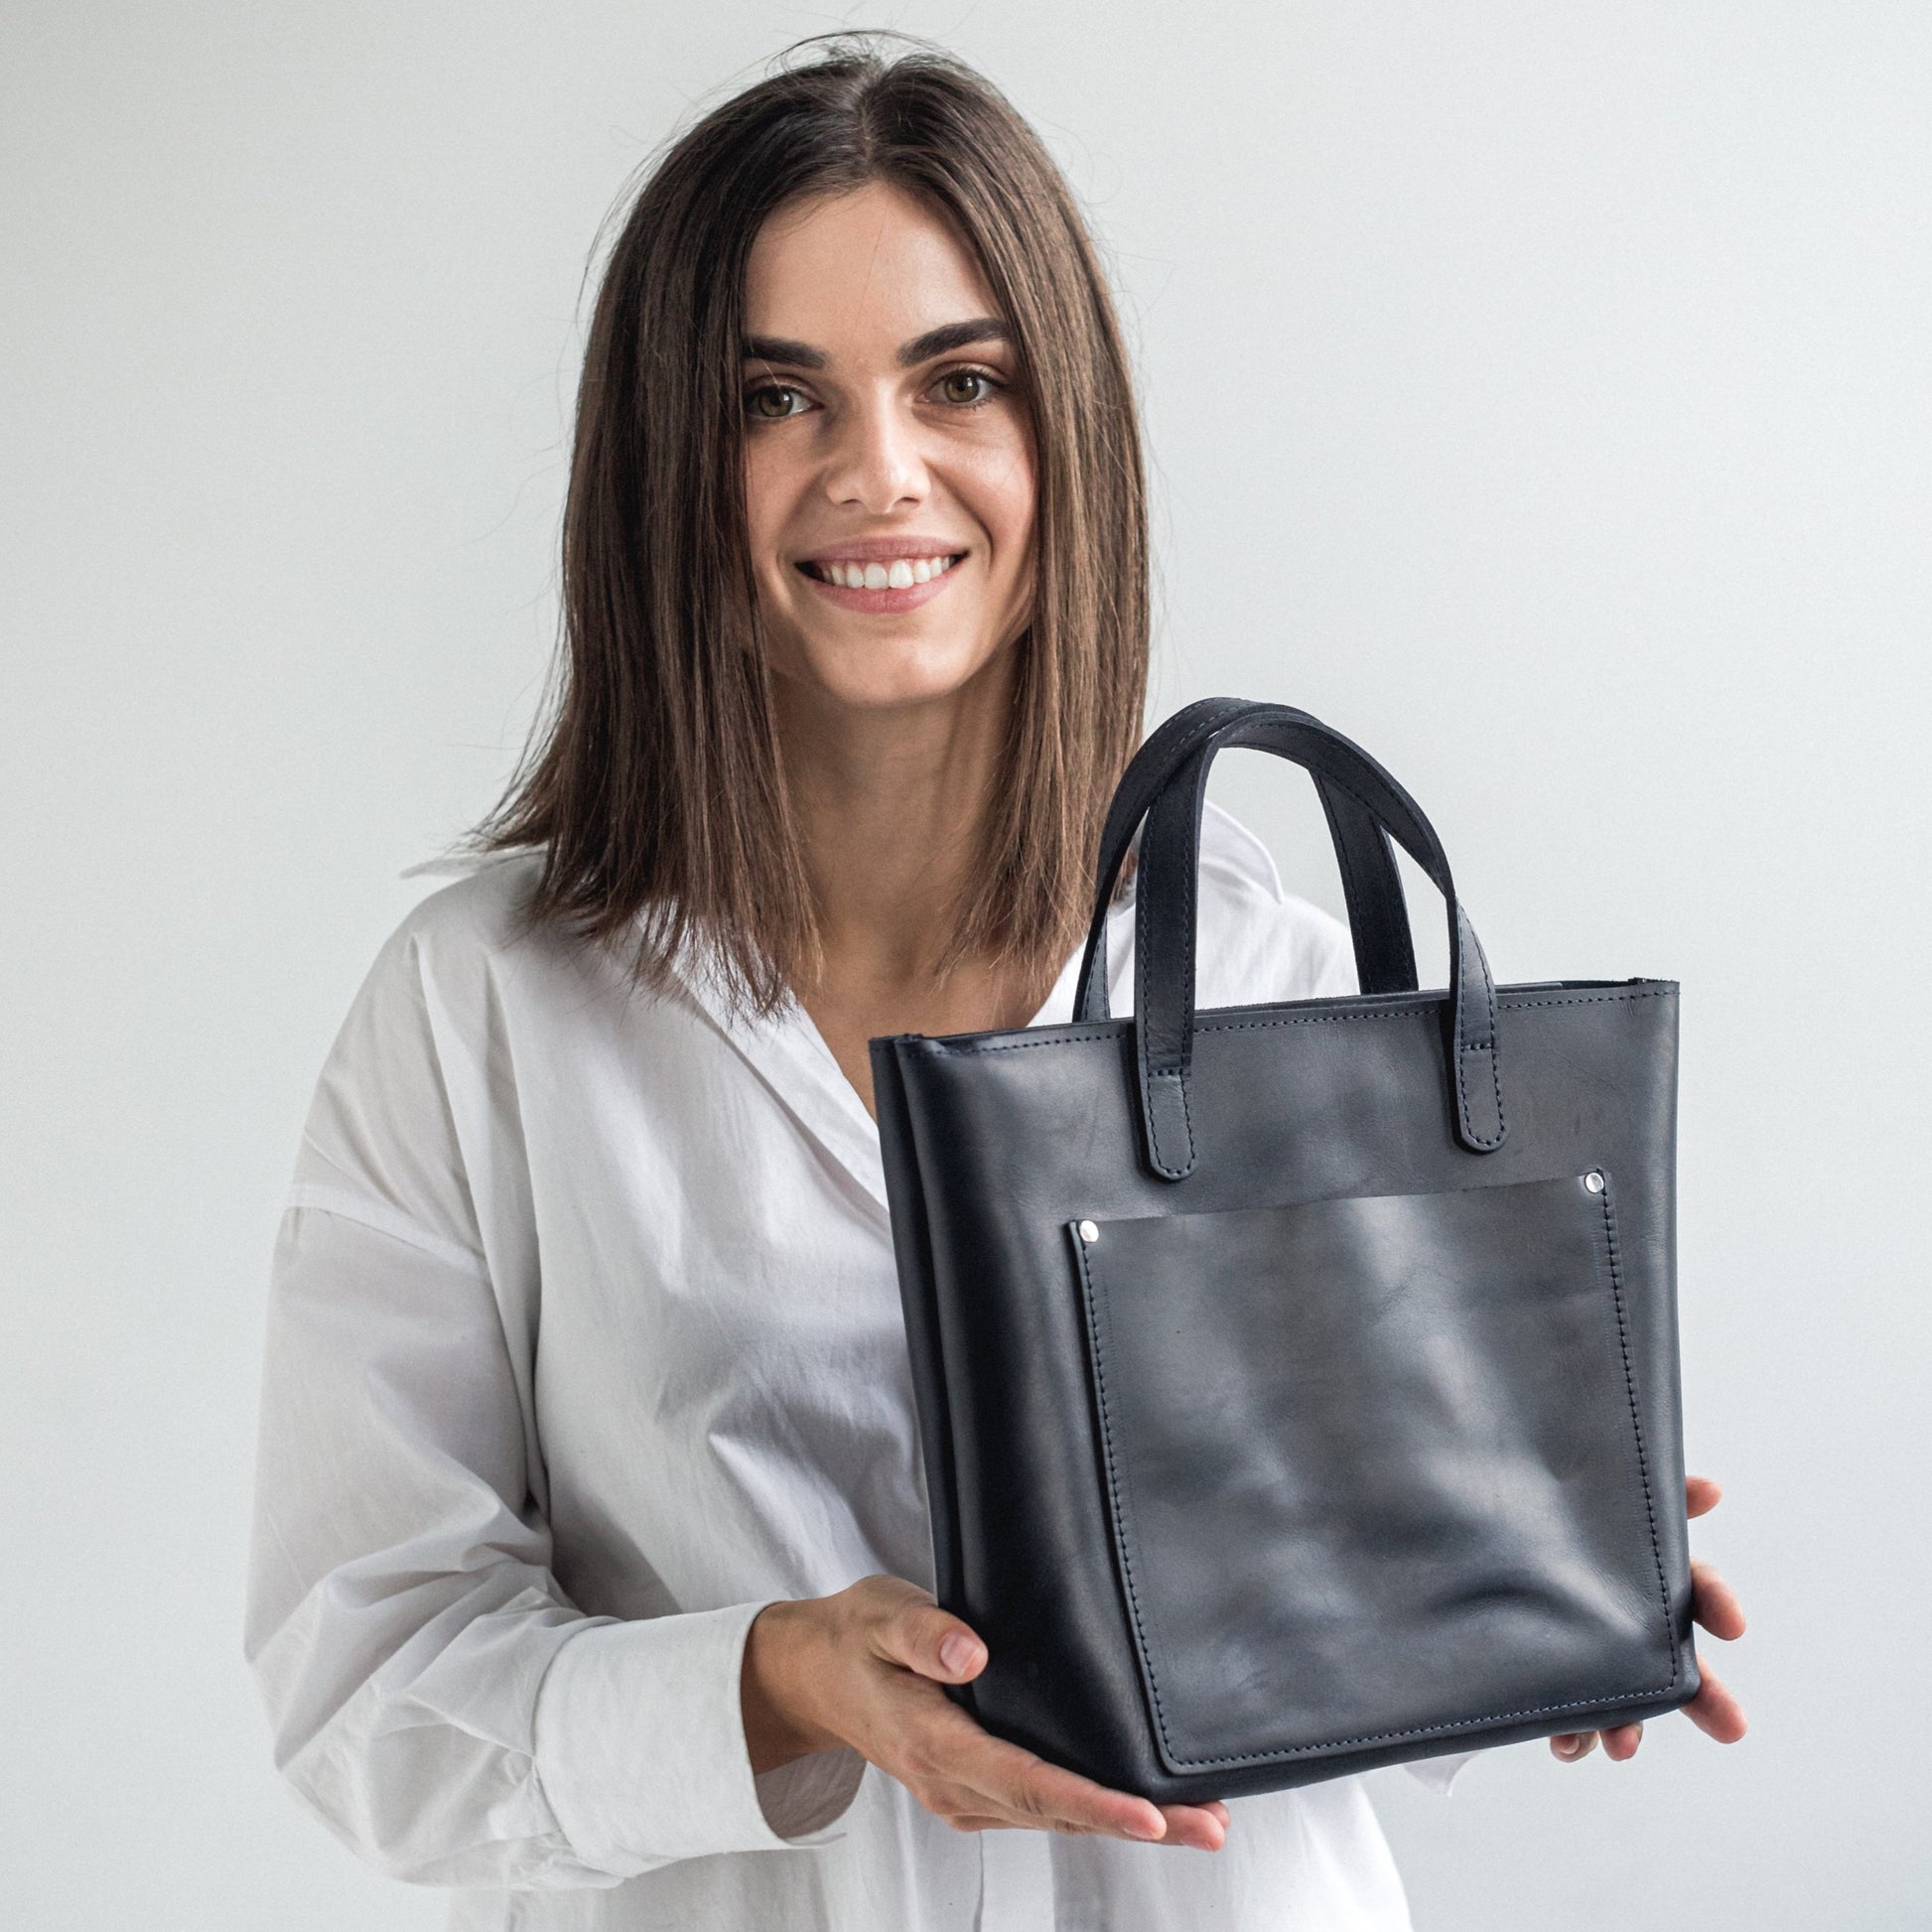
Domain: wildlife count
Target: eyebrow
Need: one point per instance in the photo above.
(921, 349)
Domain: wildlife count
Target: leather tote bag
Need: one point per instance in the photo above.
(1297, 1385)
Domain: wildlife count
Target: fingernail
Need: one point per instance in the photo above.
(1569, 1746)
(956, 1652)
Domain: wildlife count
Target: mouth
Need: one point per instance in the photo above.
(895, 574)
(881, 586)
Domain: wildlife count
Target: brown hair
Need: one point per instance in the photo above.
(654, 783)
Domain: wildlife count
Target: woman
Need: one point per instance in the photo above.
(590, 1528)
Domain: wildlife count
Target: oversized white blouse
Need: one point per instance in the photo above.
(584, 1344)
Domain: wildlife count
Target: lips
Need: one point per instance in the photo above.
(884, 587)
(881, 573)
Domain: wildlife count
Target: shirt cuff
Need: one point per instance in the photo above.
(1438, 1773)
(640, 1748)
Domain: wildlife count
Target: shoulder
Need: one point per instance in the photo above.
(1258, 943)
(482, 912)
(419, 1084)
(429, 994)
(465, 940)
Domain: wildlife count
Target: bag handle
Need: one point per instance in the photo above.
(1165, 921)
(1378, 920)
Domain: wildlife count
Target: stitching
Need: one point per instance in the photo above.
(1465, 929)
(1592, 999)
(1169, 1168)
(1636, 1426)
(1345, 862)
(1209, 743)
(1424, 1731)
(1356, 881)
(1142, 1059)
(1186, 1118)
(1489, 978)
(1142, 1652)
(1190, 930)
(942, 1045)
(1496, 1083)
(1463, 1089)
(1119, 1516)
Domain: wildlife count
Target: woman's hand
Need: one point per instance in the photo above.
(865, 1668)
(1714, 1709)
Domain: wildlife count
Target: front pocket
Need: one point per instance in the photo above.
(1374, 1468)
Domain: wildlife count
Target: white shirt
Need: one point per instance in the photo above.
(584, 1344)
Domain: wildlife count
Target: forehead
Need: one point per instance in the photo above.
(860, 271)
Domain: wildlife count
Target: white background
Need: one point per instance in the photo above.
(1538, 392)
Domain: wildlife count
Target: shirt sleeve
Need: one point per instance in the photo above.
(433, 1694)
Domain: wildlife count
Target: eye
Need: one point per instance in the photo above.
(779, 394)
(968, 389)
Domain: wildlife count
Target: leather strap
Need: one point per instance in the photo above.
(1165, 917)
(1378, 922)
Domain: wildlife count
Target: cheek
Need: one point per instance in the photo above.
(767, 496)
(1004, 492)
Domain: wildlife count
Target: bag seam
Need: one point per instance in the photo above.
(1636, 1430)
(941, 1045)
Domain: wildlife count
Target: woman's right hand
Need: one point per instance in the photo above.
(865, 1668)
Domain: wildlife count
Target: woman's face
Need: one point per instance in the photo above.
(889, 452)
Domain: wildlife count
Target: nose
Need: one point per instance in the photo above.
(877, 464)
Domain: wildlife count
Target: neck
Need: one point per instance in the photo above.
(889, 804)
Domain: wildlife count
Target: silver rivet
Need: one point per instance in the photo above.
(1088, 1231)
(1595, 1182)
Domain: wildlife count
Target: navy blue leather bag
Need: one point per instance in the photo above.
(1297, 1385)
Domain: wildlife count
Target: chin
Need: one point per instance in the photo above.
(891, 673)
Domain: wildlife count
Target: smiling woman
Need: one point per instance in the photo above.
(593, 1548)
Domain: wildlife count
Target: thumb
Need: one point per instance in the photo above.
(926, 1639)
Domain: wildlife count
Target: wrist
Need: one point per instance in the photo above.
(772, 1681)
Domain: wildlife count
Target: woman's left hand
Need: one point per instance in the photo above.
(1714, 1604)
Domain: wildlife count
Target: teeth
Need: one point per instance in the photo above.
(898, 575)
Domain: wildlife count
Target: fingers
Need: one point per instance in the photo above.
(1033, 1792)
(961, 1772)
(921, 1637)
(988, 1777)
(1715, 1603)
(1716, 1712)
(1202, 1828)
(1619, 1743)
(954, 1768)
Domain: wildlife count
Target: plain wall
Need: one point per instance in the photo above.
(1540, 392)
